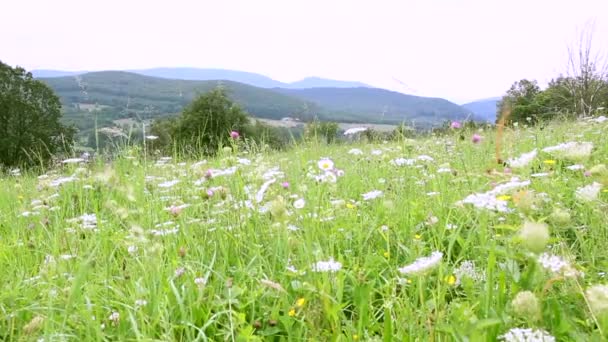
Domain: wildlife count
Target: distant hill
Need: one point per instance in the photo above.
(198, 74)
(484, 110)
(380, 105)
(316, 82)
(42, 73)
(114, 95)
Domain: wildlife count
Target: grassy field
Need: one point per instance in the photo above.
(425, 240)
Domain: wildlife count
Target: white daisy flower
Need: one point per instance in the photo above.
(325, 164)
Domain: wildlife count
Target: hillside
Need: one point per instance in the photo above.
(206, 74)
(380, 106)
(483, 110)
(122, 95)
(118, 95)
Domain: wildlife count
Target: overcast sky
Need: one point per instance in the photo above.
(456, 49)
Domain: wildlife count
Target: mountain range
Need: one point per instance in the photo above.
(152, 93)
(197, 74)
(484, 109)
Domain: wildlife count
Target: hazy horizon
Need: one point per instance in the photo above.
(466, 51)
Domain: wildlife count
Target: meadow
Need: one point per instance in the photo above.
(412, 240)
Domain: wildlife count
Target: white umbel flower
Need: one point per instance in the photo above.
(523, 160)
(299, 203)
(422, 264)
(327, 266)
(557, 265)
(570, 150)
(371, 195)
(588, 193)
(527, 335)
(402, 162)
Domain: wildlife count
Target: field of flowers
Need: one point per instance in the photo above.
(426, 240)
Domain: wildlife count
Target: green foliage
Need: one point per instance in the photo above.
(205, 124)
(522, 102)
(30, 127)
(325, 130)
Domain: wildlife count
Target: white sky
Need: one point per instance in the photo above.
(457, 49)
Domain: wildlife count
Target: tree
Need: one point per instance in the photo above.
(586, 80)
(204, 125)
(30, 126)
(522, 102)
(208, 121)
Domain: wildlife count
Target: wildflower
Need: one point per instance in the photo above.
(34, 325)
(597, 295)
(355, 151)
(132, 249)
(455, 125)
(141, 302)
(560, 216)
(292, 312)
(299, 203)
(467, 270)
(527, 335)
(476, 138)
(114, 318)
(549, 162)
(588, 193)
(168, 184)
(570, 150)
(402, 162)
(503, 197)
(523, 160)
(534, 236)
(272, 285)
(557, 265)
(451, 279)
(372, 195)
(325, 164)
(151, 137)
(300, 302)
(234, 135)
(575, 167)
(599, 169)
(422, 264)
(285, 185)
(327, 266)
(259, 196)
(526, 305)
(179, 272)
(200, 281)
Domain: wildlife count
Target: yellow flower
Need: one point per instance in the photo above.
(300, 302)
(292, 312)
(451, 279)
(350, 205)
(387, 254)
(20, 197)
(355, 337)
(417, 237)
(549, 162)
(503, 197)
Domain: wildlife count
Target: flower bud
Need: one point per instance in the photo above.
(534, 236)
(526, 305)
(597, 296)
